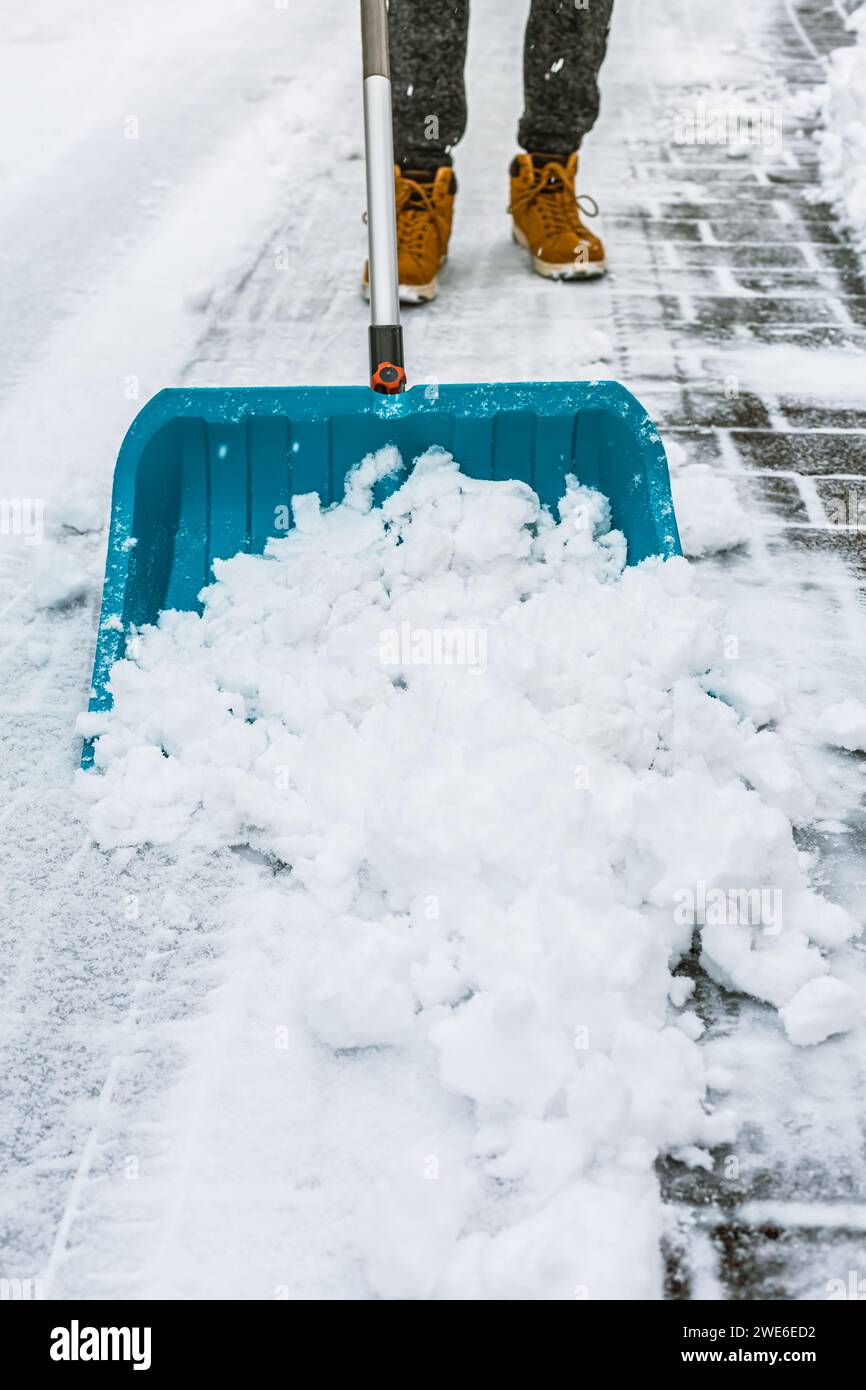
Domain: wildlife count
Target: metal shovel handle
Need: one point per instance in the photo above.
(387, 373)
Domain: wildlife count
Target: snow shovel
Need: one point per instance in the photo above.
(205, 473)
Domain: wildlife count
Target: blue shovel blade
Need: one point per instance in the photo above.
(205, 473)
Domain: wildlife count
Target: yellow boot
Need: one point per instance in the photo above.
(546, 218)
(425, 210)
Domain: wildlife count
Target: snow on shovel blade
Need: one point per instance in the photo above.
(206, 473)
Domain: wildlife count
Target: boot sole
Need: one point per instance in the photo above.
(551, 270)
(411, 294)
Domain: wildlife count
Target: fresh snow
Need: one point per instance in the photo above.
(819, 1009)
(498, 797)
(56, 580)
(843, 140)
(189, 1107)
(710, 514)
(844, 725)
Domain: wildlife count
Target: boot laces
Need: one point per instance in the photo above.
(416, 210)
(558, 207)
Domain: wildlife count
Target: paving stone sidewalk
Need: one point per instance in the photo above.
(739, 316)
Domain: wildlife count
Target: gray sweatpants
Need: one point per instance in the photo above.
(563, 51)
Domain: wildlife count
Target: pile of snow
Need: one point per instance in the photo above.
(710, 516)
(820, 1009)
(480, 760)
(844, 726)
(843, 140)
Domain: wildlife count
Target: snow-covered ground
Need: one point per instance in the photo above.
(497, 801)
(843, 142)
(223, 1079)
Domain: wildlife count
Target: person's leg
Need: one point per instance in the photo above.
(428, 54)
(563, 52)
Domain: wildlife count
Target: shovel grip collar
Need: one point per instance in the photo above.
(374, 37)
(388, 379)
(387, 373)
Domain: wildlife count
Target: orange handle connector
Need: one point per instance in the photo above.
(388, 379)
